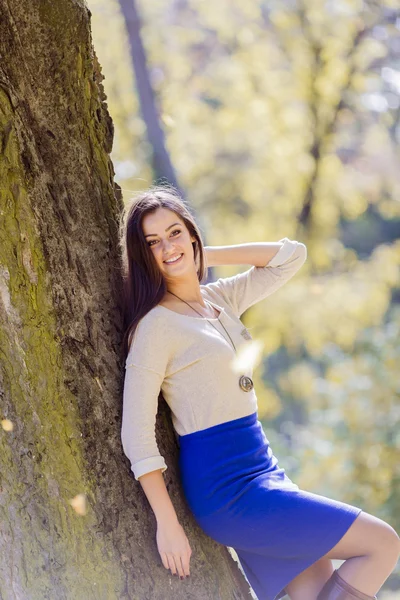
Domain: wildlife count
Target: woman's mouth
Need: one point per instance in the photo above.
(173, 262)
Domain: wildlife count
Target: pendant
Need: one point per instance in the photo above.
(246, 383)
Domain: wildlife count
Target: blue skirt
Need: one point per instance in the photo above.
(241, 498)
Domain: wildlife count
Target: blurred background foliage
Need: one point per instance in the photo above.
(282, 118)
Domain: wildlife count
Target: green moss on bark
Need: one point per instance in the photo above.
(42, 458)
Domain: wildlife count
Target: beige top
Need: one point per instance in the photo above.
(190, 362)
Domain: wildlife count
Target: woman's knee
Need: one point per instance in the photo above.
(390, 543)
(387, 541)
(367, 535)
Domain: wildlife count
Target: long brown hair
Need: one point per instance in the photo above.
(143, 283)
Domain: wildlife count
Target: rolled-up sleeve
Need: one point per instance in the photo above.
(144, 373)
(245, 289)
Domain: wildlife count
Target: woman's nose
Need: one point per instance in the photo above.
(168, 246)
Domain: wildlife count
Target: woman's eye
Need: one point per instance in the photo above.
(175, 231)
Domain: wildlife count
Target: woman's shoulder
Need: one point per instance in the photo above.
(151, 337)
(154, 318)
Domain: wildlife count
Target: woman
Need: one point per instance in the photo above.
(181, 337)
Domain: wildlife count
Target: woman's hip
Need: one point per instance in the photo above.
(220, 463)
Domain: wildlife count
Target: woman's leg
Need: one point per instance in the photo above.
(370, 549)
(310, 582)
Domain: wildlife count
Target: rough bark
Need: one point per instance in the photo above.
(61, 372)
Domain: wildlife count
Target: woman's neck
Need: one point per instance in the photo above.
(187, 296)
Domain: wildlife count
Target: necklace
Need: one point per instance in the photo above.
(245, 382)
(234, 347)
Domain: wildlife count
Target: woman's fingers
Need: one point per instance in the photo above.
(171, 564)
(164, 559)
(179, 565)
(174, 548)
(185, 564)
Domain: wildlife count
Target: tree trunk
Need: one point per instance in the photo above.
(61, 372)
(162, 164)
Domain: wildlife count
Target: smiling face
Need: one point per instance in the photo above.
(168, 238)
